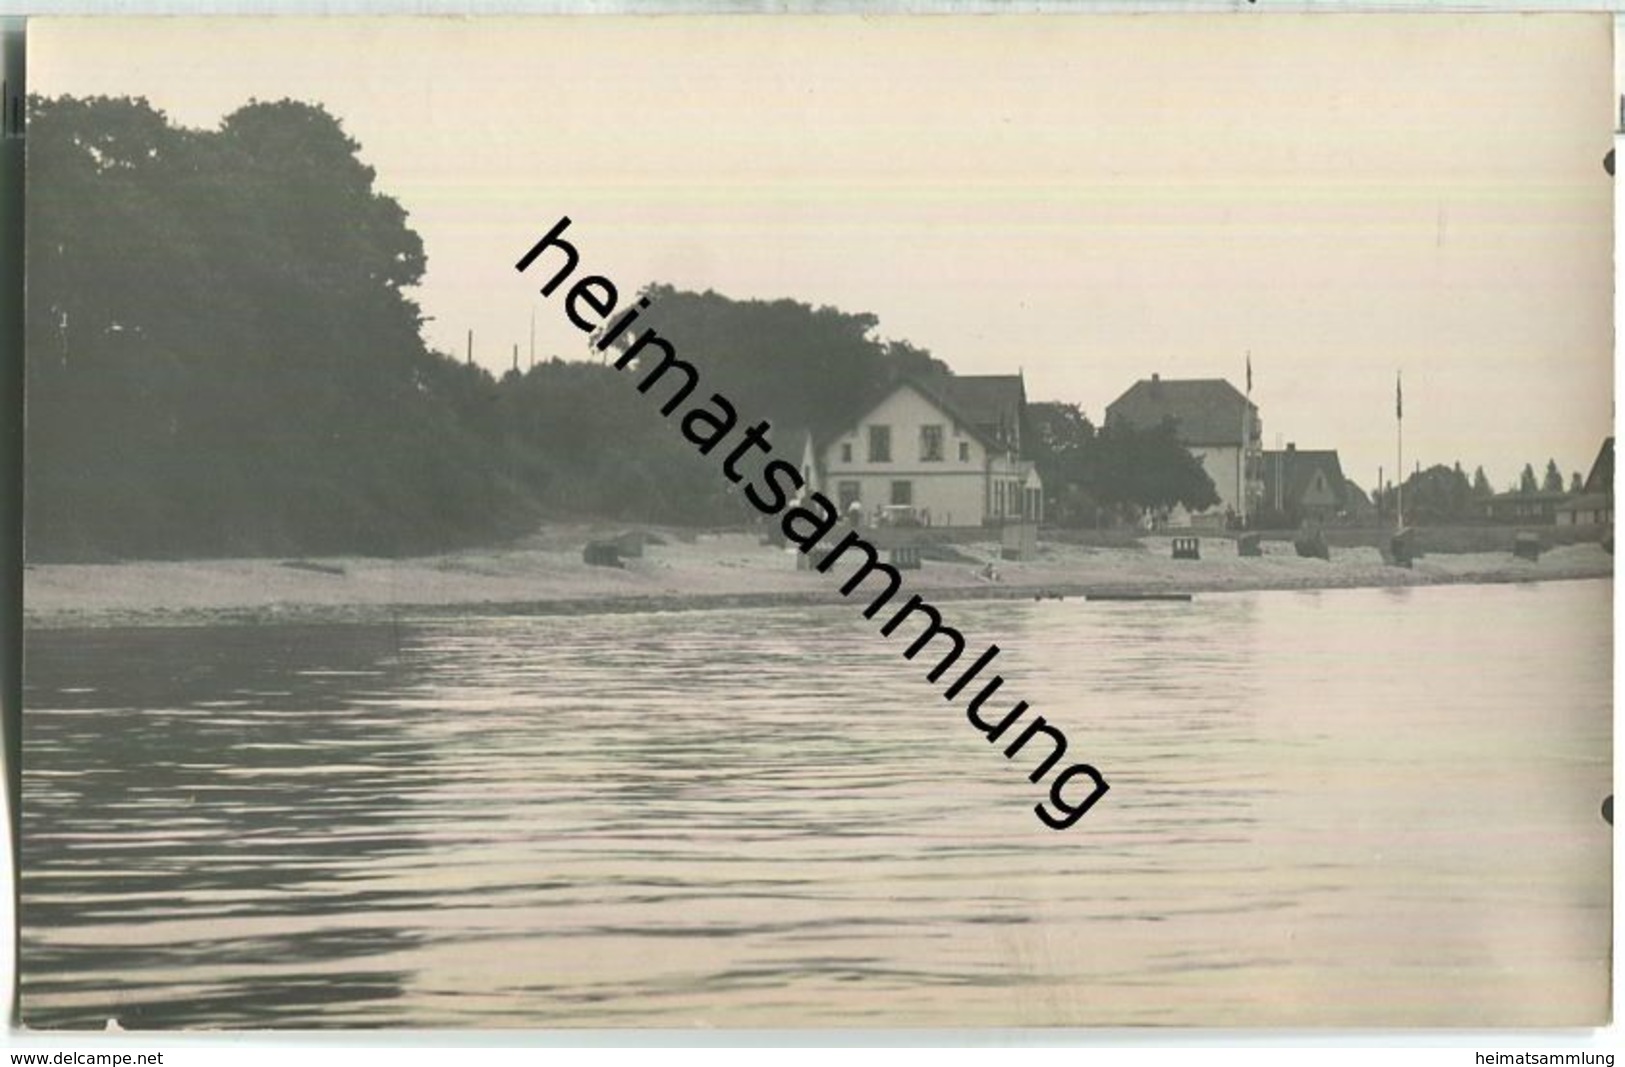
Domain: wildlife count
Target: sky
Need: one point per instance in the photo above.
(1087, 199)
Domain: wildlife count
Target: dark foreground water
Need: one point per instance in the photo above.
(1373, 807)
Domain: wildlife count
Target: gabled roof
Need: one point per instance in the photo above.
(986, 406)
(1296, 469)
(1601, 477)
(983, 400)
(1206, 411)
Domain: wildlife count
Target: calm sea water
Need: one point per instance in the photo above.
(1368, 807)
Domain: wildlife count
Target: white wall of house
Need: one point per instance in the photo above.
(1223, 465)
(951, 484)
(1595, 516)
(942, 499)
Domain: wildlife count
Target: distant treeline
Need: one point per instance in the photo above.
(222, 359)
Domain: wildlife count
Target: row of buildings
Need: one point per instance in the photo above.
(1279, 488)
(948, 450)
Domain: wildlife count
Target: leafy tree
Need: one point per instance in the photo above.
(1061, 438)
(1576, 483)
(796, 365)
(1358, 503)
(586, 445)
(1119, 468)
(1526, 480)
(1438, 495)
(1147, 469)
(222, 357)
(1481, 484)
(1553, 482)
(1060, 431)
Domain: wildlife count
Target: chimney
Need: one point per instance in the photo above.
(1292, 446)
(1155, 377)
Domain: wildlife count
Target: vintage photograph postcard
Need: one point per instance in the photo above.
(819, 521)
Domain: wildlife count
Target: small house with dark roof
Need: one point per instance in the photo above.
(1594, 504)
(1524, 509)
(944, 450)
(1217, 423)
(1304, 486)
(1585, 509)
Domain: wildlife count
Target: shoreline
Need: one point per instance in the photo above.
(715, 573)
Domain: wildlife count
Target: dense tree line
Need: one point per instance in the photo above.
(802, 368)
(223, 358)
(1441, 495)
(1438, 495)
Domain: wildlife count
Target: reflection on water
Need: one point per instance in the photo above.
(1337, 808)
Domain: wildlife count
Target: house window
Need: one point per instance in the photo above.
(880, 444)
(930, 444)
(902, 494)
(846, 452)
(848, 493)
(1006, 498)
(964, 451)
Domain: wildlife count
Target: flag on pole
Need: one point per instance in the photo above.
(1249, 372)
(1399, 399)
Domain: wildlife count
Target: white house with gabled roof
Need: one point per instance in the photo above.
(943, 450)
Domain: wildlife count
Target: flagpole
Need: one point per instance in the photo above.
(1241, 463)
(1241, 467)
(1399, 471)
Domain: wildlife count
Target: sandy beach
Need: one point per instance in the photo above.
(544, 574)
